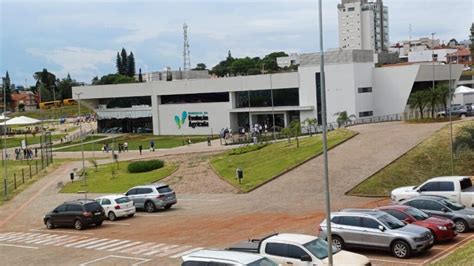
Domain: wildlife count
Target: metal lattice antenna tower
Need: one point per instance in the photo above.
(186, 55)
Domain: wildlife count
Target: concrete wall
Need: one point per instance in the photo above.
(363, 78)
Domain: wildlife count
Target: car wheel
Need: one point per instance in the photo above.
(461, 226)
(99, 223)
(167, 207)
(433, 235)
(112, 216)
(49, 224)
(150, 207)
(78, 225)
(401, 249)
(338, 242)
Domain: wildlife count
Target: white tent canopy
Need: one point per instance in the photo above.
(22, 120)
(463, 89)
(3, 117)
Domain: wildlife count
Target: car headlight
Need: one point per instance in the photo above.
(442, 227)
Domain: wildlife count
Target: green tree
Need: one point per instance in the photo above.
(118, 63)
(123, 62)
(471, 47)
(464, 139)
(343, 118)
(64, 87)
(45, 83)
(270, 61)
(200, 66)
(311, 123)
(444, 94)
(114, 79)
(420, 100)
(433, 100)
(241, 66)
(295, 127)
(287, 132)
(6, 83)
(131, 65)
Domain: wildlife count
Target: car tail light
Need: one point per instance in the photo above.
(87, 214)
(117, 207)
(319, 228)
(161, 197)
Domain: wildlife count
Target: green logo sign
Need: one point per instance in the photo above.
(180, 121)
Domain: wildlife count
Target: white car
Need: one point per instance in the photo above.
(117, 206)
(225, 257)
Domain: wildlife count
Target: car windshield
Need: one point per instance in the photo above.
(93, 207)
(122, 200)
(319, 248)
(419, 215)
(453, 205)
(164, 189)
(390, 221)
(263, 262)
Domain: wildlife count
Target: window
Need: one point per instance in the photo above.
(366, 113)
(122, 200)
(364, 89)
(132, 192)
(125, 102)
(351, 9)
(431, 186)
(433, 206)
(144, 190)
(74, 208)
(370, 223)
(295, 252)
(419, 204)
(351, 221)
(61, 208)
(446, 186)
(397, 214)
(164, 189)
(106, 202)
(195, 98)
(336, 220)
(276, 249)
(93, 207)
(263, 98)
(466, 183)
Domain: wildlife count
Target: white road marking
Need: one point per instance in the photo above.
(50, 241)
(125, 246)
(4, 235)
(102, 244)
(394, 261)
(11, 236)
(138, 248)
(44, 239)
(18, 246)
(116, 223)
(88, 243)
(80, 242)
(35, 238)
(113, 245)
(69, 240)
(141, 260)
(19, 237)
(61, 231)
(170, 251)
(185, 253)
(150, 249)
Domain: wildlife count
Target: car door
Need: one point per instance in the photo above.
(107, 205)
(72, 211)
(430, 188)
(277, 252)
(132, 194)
(58, 216)
(294, 256)
(372, 235)
(437, 209)
(446, 189)
(351, 230)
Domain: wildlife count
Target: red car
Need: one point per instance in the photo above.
(442, 228)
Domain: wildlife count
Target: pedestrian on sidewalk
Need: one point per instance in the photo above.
(125, 146)
(152, 145)
(208, 141)
(140, 149)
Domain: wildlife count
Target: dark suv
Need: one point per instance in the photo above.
(78, 213)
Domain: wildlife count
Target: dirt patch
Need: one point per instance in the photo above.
(194, 176)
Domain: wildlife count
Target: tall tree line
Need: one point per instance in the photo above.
(125, 63)
(6, 84)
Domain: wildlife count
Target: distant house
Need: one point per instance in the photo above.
(24, 101)
(461, 56)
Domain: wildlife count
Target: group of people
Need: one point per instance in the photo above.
(122, 147)
(25, 153)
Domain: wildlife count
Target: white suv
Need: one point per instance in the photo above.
(117, 206)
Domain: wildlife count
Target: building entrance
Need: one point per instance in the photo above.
(267, 119)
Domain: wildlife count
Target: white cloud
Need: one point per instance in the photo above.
(82, 63)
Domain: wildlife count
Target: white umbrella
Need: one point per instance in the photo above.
(22, 120)
(463, 89)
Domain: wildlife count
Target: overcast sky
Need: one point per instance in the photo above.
(83, 37)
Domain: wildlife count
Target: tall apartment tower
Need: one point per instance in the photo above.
(363, 25)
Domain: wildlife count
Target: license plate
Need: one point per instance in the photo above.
(431, 242)
(97, 213)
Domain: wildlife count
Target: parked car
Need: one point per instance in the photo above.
(441, 206)
(116, 206)
(378, 230)
(457, 188)
(151, 197)
(458, 110)
(225, 257)
(441, 228)
(78, 213)
(299, 250)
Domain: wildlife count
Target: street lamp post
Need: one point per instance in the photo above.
(325, 144)
(451, 121)
(82, 145)
(5, 142)
(432, 58)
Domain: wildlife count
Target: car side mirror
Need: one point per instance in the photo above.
(421, 190)
(444, 210)
(408, 221)
(305, 258)
(381, 228)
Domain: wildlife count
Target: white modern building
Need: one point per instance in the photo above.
(415, 45)
(440, 55)
(205, 106)
(363, 25)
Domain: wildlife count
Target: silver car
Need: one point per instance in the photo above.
(151, 197)
(376, 229)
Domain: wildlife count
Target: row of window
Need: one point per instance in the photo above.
(284, 250)
(366, 113)
(438, 186)
(195, 98)
(356, 221)
(267, 98)
(364, 89)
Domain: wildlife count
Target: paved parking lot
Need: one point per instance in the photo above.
(292, 203)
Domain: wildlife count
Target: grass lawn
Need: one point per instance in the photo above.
(78, 141)
(134, 140)
(430, 158)
(102, 182)
(15, 168)
(462, 256)
(262, 165)
(16, 141)
(64, 111)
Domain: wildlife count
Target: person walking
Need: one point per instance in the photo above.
(140, 149)
(125, 146)
(208, 141)
(152, 145)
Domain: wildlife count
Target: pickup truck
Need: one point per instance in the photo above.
(457, 188)
(299, 250)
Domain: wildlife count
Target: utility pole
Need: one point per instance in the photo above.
(451, 121)
(82, 145)
(325, 141)
(5, 173)
(432, 58)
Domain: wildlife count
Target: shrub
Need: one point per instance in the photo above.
(144, 166)
(248, 148)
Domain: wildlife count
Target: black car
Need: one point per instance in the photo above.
(78, 213)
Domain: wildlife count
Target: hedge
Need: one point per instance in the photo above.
(247, 148)
(144, 166)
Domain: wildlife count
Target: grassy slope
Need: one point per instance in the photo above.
(78, 141)
(134, 140)
(65, 111)
(16, 141)
(262, 165)
(462, 256)
(102, 182)
(429, 159)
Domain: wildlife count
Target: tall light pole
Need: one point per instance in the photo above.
(451, 121)
(273, 108)
(5, 141)
(432, 58)
(82, 145)
(325, 140)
